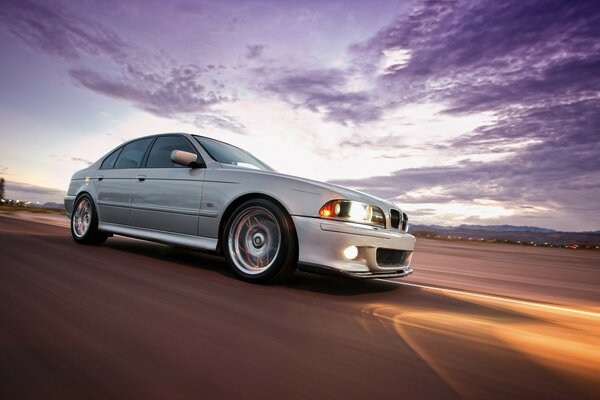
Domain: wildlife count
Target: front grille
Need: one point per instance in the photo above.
(390, 257)
(404, 222)
(395, 218)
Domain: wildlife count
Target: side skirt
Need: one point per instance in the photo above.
(175, 239)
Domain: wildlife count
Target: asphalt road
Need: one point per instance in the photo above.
(132, 319)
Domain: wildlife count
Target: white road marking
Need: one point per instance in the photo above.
(499, 298)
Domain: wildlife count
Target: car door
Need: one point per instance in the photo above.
(166, 196)
(115, 178)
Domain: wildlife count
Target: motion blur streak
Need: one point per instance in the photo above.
(132, 319)
(556, 338)
(496, 298)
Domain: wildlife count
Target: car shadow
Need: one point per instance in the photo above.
(337, 286)
(305, 281)
(178, 255)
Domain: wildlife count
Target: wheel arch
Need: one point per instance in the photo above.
(239, 201)
(79, 194)
(95, 204)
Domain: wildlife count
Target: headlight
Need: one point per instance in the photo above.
(353, 211)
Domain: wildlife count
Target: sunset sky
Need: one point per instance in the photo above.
(476, 112)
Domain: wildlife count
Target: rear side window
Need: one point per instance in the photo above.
(160, 155)
(109, 161)
(132, 154)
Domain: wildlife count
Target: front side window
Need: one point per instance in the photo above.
(228, 154)
(109, 161)
(132, 154)
(160, 154)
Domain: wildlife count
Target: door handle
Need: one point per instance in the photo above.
(100, 177)
(141, 178)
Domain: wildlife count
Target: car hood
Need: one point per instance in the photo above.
(335, 191)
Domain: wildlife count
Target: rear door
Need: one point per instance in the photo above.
(115, 180)
(166, 196)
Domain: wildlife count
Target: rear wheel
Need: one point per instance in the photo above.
(260, 242)
(84, 222)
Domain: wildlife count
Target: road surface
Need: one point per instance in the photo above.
(132, 319)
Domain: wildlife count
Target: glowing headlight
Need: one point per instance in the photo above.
(353, 211)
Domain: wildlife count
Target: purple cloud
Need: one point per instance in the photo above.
(50, 28)
(489, 55)
(254, 51)
(535, 65)
(152, 82)
(322, 91)
(165, 93)
(472, 56)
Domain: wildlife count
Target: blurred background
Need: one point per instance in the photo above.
(461, 112)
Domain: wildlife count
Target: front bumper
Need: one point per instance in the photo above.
(322, 242)
(325, 270)
(69, 200)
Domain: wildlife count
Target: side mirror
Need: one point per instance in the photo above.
(185, 158)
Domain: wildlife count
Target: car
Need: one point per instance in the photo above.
(196, 192)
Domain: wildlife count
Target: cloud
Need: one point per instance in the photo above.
(471, 56)
(534, 65)
(178, 90)
(27, 192)
(254, 51)
(488, 54)
(559, 171)
(82, 160)
(151, 81)
(50, 28)
(220, 121)
(519, 180)
(321, 91)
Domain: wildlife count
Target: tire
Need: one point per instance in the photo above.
(84, 222)
(259, 242)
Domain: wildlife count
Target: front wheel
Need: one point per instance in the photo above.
(84, 222)
(260, 242)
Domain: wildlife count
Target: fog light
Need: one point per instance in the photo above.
(351, 252)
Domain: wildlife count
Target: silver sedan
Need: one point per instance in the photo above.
(196, 192)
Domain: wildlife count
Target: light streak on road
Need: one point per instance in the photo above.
(498, 298)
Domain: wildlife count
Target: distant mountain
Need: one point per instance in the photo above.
(505, 228)
(509, 233)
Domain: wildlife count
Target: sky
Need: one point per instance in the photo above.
(460, 112)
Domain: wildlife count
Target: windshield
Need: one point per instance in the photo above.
(228, 154)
